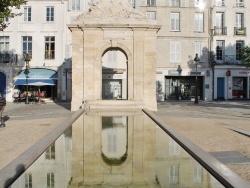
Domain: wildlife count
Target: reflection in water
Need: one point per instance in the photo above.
(115, 151)
(114, 140)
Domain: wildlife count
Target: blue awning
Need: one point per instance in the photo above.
(36, 82)
(37, 77)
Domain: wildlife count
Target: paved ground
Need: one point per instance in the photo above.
(206, 124)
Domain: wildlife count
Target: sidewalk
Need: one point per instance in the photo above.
(203, 123)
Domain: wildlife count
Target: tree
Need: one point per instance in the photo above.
(6, 7)
(245, 55)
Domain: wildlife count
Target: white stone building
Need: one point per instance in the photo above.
(229, 33)
(188, 27)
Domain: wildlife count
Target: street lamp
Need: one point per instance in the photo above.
(26, 72)
(196, 61)
(179, 70)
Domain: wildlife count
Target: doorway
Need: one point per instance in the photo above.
(220, 88)
(3, 84)
(114, 75)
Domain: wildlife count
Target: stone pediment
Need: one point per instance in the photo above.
(112, 12)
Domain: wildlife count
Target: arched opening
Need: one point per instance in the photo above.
(3, 84)
(114, 75)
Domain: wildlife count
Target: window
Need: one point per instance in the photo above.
(239, 22)
(75, 5)
(199, 3)
(219, 3)
(6, 20)
(50, 180)
(132, 3)
(4, 44)
(51, 152)
(239, 3)
(201, 50)
(27, 45)
(219, 20)
(50, 14)
(28, 180)
(112, 140)
(174, 148)
(174, 174)
(239, 45)
(151, 14)
(175, 51)
(175, 3)
(220, 45)
(197, 177)
(112, 59)
(175, 21)
(49, 47)
(151, 2)
(199, 22)
(27, 14)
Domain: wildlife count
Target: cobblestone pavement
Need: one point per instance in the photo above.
(203, 123)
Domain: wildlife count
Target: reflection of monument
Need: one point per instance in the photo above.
(130, 151)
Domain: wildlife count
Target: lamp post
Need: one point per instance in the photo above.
(196, 61)
(26, 72)
(179, 70)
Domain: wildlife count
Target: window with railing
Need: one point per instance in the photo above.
(239, 45)
(220, 48)
(4, 49)
(239, 3)
(219, 3)
(49, 47)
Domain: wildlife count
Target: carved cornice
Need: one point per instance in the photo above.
(112, 11)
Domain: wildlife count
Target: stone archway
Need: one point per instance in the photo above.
(113, 25)
(114, 75)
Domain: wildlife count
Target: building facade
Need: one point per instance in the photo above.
(188, 27)
(229, 33)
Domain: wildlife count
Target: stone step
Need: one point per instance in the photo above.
(114, 104)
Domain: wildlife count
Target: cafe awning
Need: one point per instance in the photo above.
(37, 77)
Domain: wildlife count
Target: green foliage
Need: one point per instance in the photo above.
(245, 55)
(6, 7)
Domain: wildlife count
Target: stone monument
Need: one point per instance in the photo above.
(113, 25)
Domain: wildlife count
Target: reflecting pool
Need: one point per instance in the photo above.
(115, 150)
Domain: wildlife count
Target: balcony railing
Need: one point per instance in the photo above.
(240, 31)
(227, 60)
(8, 58)
(239, 4)
(219, 31)
(220, 3)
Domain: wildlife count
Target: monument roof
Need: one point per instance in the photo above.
(113, 12)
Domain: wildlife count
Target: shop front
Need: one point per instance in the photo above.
(232, 83)
(183, 87)
(38, 82)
